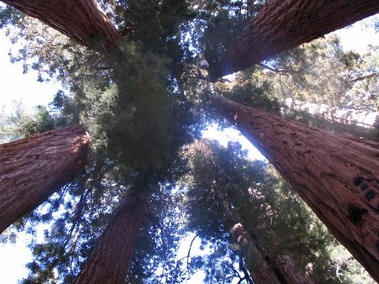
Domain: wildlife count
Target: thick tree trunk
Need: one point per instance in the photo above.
(285, 24)
(336, 175)
(263, 269)
(357, 123)
(110, 260)
(81, 20)
(334, 114)
(248, 250)
(285, 266)
(32, 168)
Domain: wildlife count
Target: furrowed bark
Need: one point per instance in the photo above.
(249, 251)
(32, 169)
(110, 260)
(362, 118)
(261, 267)
(285, 24)
(286, 268)
(336, 175)
(81, 20)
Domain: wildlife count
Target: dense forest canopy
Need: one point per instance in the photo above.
(139, 83)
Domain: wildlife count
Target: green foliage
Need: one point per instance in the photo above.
(130, 113)
(365, 78)
(251, 90)
(74, 218)
(156, 26)
(224, 22)
(309, 72)
(42, 49)
(316, 121)
(8, 16)
(21, 124)
(227, 189)
(159, 240)
(134, 102)
(322, 72)
(138, 119)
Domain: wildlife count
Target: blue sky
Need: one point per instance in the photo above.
(16, 86)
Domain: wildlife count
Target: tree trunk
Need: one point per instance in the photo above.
(344, 121)
(110, 260)
(261, 267)
(346, 116)
(286, 268)
(81, 20)
(248, 250)
(32, 168)
(285, 24)
(336, 175)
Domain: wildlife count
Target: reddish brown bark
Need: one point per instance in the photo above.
(260, 265)
(32, 168)
(285, 24)
(248, 249)
(336, 175)
(367, 119)
(81, 20)
(110, 260)
(286, 267)
(263, 271)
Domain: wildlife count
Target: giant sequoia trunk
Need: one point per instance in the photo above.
(285, 24)
(110, 260)
(362, 118)
(32, 168)
(81, 20)
(336, 175)
(341, 188)
(263, 269)
(358, 123)
(285, 266)
(248, 250)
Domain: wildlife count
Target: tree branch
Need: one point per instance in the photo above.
(361, 78)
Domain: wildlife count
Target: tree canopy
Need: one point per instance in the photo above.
(140, 92)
